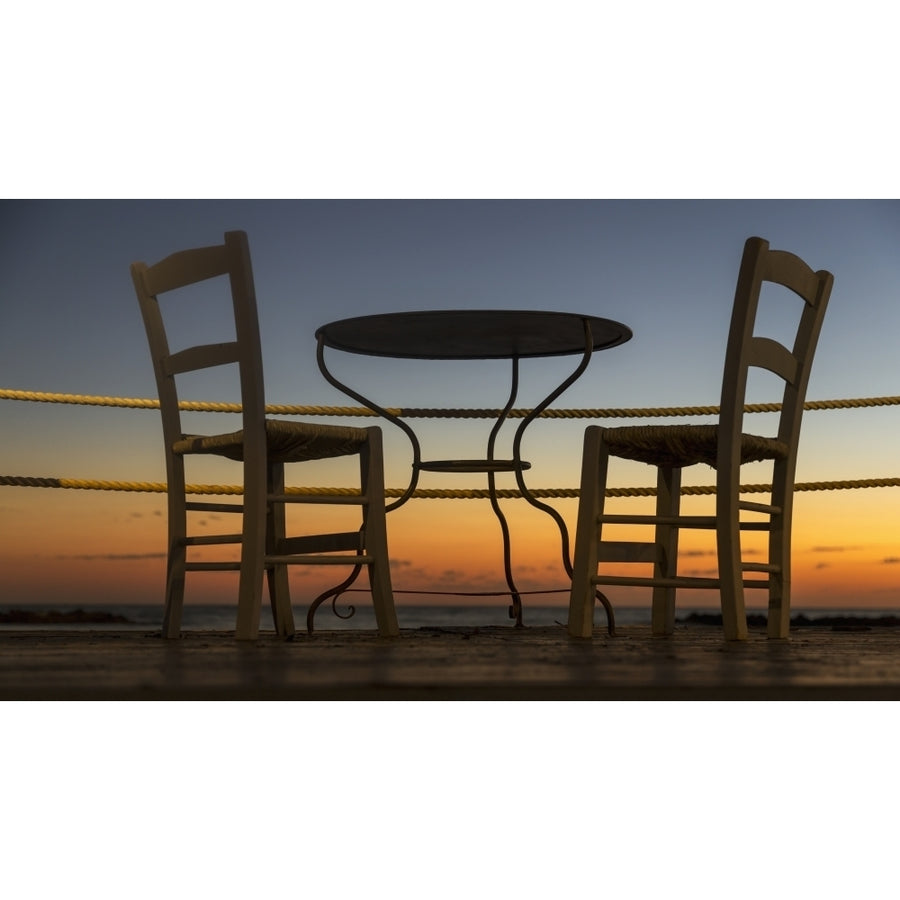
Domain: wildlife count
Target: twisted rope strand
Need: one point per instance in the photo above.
(158, 487)
(429, 493)
(422, 413)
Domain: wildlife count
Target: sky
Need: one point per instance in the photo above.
(665, 268)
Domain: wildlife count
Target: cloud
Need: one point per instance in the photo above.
(116, 557)
(689, 554)
(891, 560)
(827, 549)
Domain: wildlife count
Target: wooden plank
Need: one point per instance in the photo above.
(215, 507)
(212, 539)
(680, 521)
(637, 581)
(319, 543)
(766, 353)
(765, 508)
(184, 268)
(790, 271)
(628, 551)
(324, 499)
(316, 560)
(203, 356)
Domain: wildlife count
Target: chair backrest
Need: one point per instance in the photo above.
(188, 267)
(746, 349)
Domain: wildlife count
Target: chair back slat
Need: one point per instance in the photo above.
(788, 270)
(185, 268)
(765, 353)
(203, 356)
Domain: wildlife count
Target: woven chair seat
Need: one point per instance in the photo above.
(287, 442)
(684, 445)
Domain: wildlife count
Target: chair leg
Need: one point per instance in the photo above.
(668, 503)
(175, 574)
(277, 575)
(371, 466)
(253, 545)
(779, 620)
(177, 555)
(592, 494)
(728, 544)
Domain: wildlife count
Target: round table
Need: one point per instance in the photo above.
(472, 334)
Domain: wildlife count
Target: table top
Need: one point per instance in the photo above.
(471, 334)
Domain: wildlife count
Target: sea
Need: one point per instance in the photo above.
(207, 617)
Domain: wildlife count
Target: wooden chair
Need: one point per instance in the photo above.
(724, 446)
(263, 446)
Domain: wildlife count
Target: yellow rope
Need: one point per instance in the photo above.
(157, 487)
(288, 410)
(428, 493)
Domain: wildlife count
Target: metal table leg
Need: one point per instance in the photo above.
(384, 413)
(520, 479)
(515, 609)
(335, 592)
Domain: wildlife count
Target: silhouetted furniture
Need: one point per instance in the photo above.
(472, 334)
(263, 446)
(724, 446)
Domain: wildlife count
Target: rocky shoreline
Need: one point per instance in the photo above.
(754, 620)
(836, 623)
(55, 617)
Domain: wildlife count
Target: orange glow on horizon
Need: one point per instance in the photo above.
(96, 547)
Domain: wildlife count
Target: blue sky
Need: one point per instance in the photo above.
(665, 268)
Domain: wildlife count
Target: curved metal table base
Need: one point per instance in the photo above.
(490, 466)
(334, 593)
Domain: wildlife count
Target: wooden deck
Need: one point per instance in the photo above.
(494, 663)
